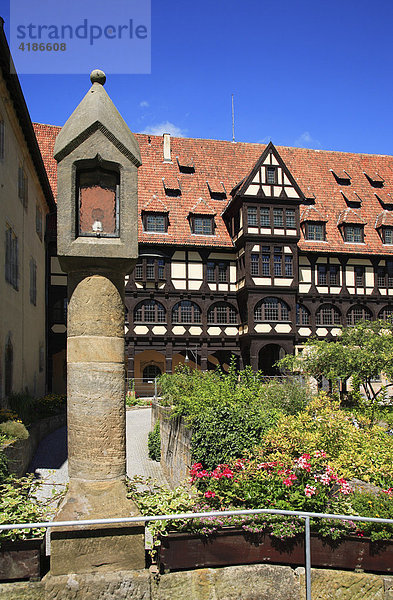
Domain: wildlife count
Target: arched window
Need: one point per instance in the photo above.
(386, 313)
(9, 367)
(149, 311)
(359, 313)
(328, 315)
(302, 315)
(150, 373)
(271, 309)
(221, 312)
(186, 312)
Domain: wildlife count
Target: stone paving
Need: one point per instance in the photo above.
(50, 461)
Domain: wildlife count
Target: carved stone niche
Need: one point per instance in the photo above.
(98, 159)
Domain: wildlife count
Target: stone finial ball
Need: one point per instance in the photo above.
(98, 76)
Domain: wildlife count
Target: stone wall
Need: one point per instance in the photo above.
(253, 582)
(20, 453)
(175, 445)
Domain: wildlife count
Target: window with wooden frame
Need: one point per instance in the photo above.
(315, 231)
(217, 272)
(359, 275)
(33, 282)
(186, 312)
(387, 235)
(272, 310)
(386, 313)
(38, 221)
(202, 225)
(278, 217)
(302, 315)
(22, 186)
(328, 314)
(149, 311)
(254, 264)
(328, 274)
(252, 216)
(222, 313)
(353, 233)
(11, 258)
(271, 175)
(150, 372)
(154, 222)
(357, 314)
(290, 221)
(150, 268)
(265, 217)
(385, 275)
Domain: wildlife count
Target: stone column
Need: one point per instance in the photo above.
(98, 158)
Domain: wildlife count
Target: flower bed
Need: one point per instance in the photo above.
(234, 547)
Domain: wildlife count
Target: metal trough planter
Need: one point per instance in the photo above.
(21, 559)
(236, 547)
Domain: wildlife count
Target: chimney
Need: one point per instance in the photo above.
(167, 147)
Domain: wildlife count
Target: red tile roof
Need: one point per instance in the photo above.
(230, 163)
(312, 214)
(350, 216)
(202, 208)
(155, 205)
(385, 218)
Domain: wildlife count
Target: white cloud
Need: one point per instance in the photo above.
(164, 127)
(144, 104)
(305, 140)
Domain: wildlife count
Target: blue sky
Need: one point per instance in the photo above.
(313, 73)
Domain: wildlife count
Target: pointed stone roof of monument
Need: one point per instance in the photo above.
(97, 111)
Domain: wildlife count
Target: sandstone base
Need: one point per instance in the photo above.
(96, 548)
(253, 582)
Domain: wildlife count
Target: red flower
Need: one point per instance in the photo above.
(210, 494)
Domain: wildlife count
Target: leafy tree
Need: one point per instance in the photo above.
(361, 353)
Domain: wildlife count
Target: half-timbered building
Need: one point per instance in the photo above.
(246, 250)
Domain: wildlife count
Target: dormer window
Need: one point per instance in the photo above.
(341, 176)
(155, 222)
(315, 231)
(375, 179)
(202, 224)
(354, 234)
(387, 235)
(271, 175)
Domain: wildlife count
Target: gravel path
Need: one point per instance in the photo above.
(50, 461)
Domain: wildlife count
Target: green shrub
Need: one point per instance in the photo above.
(18, 505)
(229, 413)
(154, 443)
(365, 452)
(222, 433)
(32, 409)
(379, 505)
(14, 429)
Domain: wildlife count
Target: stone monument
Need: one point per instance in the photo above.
(98, 159)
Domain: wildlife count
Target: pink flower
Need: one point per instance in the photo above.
(325, 478)
(345, 487)
(303, 463)
(389, 491)
(310, 490)
(290, 479)
(203, 473)
(210, 494)
(319, 454)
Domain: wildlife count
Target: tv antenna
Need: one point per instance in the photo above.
(233, 121)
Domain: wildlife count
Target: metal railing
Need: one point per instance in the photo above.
(224, 513)
(143, 388)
